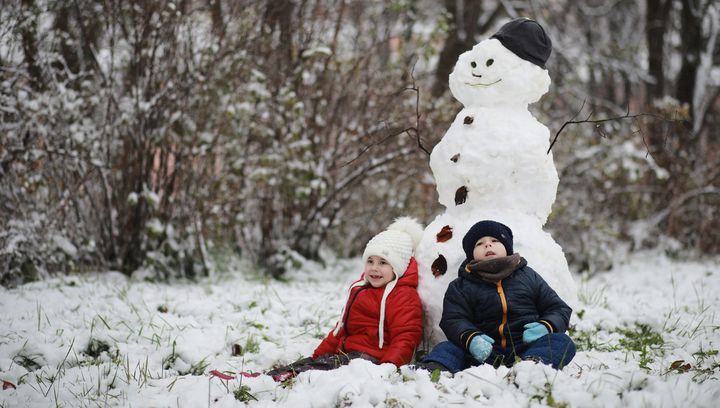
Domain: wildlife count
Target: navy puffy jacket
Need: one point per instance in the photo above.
(473, 306)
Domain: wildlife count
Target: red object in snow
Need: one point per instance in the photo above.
(8, 385)
(283, 376)
(222, 376)
(249, 375)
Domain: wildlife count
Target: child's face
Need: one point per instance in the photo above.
(488, 248)
(378, 271)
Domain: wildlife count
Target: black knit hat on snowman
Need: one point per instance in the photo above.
(526, 39)
(487, 228)
(396, 245)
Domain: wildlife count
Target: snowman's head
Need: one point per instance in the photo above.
(491, 75)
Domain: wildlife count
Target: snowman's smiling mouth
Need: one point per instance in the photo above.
(481, 84)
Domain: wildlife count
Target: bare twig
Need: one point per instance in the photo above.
(416, 129)
(627, 115)
(412, 131)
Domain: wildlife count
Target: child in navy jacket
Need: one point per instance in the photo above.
(499, 310)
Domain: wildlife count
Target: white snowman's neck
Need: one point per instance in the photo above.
(502, 107)
(510, 112)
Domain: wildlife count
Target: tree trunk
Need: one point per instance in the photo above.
(461, 37)
(278, 15)
(62, 24)
(656, 22)
(692, 43)
(216, 13)
(28, 33)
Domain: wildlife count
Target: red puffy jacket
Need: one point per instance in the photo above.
(403, 322)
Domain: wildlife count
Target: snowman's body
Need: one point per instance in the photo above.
(492, 164)
(496, 161)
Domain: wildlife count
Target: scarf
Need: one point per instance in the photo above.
(496, 269)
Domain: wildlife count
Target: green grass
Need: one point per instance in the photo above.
(705, 366)
(641, 339)
(170, 359)
(644, 340)
(242, 393)
(252, 345)
(546, 396)
(587, 340)
(435, 375)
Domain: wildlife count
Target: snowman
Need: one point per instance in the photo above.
(493, 164)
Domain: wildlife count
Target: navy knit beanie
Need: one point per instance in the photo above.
(487, 228)
(526, 39)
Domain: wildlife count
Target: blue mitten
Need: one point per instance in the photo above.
(480, 347)
(534, 331)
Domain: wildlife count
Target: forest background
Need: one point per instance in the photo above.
(166, 137)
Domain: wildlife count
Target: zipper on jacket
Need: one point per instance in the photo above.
(501, 292)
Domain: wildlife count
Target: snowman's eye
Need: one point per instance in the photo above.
(489, 62)
(473, 64)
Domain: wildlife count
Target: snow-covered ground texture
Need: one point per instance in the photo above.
(648, 333)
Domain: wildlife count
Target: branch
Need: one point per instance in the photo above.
(627, 115)
(415, 89)
(706, 118)
(349, 181)
(640, 229)
(411, 130)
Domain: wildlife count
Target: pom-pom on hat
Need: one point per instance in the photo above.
(526, 39)
(396, 244)
(487, 228)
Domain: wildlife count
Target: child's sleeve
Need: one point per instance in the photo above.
(554, 312)
(404, 326)
(327, 346)
(456, 318)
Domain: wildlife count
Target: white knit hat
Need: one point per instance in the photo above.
(396, 245)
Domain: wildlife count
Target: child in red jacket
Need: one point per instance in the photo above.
(382, 318)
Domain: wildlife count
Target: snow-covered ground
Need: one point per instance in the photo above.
(648, 333)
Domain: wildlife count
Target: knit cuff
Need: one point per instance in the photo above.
(467, 336)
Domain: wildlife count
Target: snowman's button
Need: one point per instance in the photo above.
(455, 158)
(439, 266)
(468, 120)
(461, 195)
(445, 234)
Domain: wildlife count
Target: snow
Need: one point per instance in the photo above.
(320, 50)
(133, 198)
(155, 226)
(155, 344)
(64, 244)
(151, 197)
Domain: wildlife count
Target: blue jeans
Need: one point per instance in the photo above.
(556, 349)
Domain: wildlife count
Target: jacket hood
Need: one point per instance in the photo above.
(410, 277)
